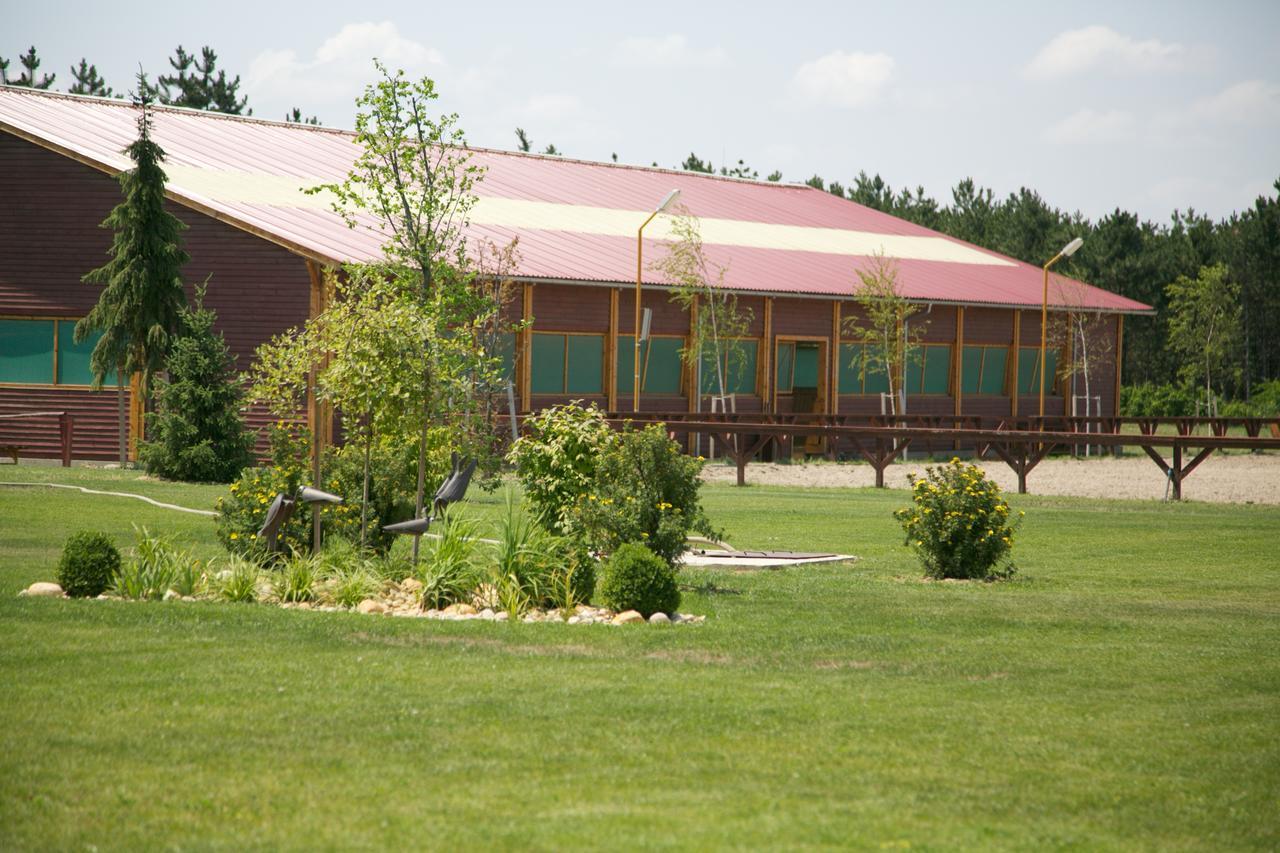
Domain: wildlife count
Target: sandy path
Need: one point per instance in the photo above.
(1241, 478)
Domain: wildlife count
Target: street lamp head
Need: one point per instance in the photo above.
(672, 198)
(1070, 249)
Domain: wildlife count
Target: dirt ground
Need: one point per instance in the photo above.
(1238, 478)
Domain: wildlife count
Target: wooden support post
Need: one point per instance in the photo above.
(137, 414)
(611, 353)
(766, 364)
(1175, 472)
(833, 389)
(1017, 348)
(526, 349)
(693, 441)
(1115, 411)
(957, 369)
(66, 427)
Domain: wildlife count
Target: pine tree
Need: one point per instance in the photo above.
(30, 62)
(522, 140)
(197, 430)
(139, 308)
(199, 84)
(87, 81)
(296, 117)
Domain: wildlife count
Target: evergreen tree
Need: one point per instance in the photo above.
(198, 433)
(139, 308)
(693, 163)
(774, 177)
(523, 143)
(296, 117)
(30, 62)
(552, 150)
(199, 84)
(87, 81)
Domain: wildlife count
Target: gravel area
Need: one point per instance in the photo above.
(1238, 478)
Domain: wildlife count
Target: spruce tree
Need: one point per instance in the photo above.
(87, 81)
(30, 62)
(139, 308)
(197, 430)
(296, 118)
(199, 84)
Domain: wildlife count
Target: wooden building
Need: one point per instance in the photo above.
(792, 253)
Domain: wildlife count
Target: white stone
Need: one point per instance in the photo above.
(460, 610)
(43, 589)
(574, 620)
(628, 617)
(659, 619)
(369, 605)
(411, 585)
(171, 594)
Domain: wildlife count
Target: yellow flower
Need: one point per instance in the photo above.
(235, 535)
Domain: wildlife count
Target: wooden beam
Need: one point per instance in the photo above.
(1017, 348)
(833, 388)
(958, 360)
(137, 412)
(526, 349)
(764, 381)
(611, 353)
(1119, 361)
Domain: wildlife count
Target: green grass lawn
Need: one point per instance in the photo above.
(1123, 692)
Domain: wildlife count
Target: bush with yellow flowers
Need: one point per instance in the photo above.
(958, 523)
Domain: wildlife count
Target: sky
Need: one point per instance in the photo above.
(1145, 107)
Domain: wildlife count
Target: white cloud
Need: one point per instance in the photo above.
(669, 51)
(1247, 102)
(1099, 47)
(1090, 127)
(844, 79)
(339, 65)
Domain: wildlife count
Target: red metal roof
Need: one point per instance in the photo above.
(576, 220)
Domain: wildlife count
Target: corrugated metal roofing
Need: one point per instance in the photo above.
(576, 220)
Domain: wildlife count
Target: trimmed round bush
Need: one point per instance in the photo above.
(89, 561)
(635, 578)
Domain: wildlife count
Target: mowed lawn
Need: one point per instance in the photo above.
(1123, 692)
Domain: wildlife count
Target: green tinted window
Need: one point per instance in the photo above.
(937, 370)
(993, 370)
(586, 364)
(915, 370)
(26, 351)
(660, 365)
(739, 366)
(806, 369)
(877, 381)
(547, 364)
(73, 358)
(507, 352)
(785, 368)
(1029, 371)
(970, 370)
(850, 369)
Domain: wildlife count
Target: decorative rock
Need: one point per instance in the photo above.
(629, 617)
(501, 616)
(486, 614)
(411, 585)
(369, 605)
(460, 609)
(171, 594)
(43, 589)
(659, 619)
(574, 620)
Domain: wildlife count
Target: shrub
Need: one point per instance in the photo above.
(556, 460)
(352, 585)
(243, 509)
(393, 483)
(1148, 400)
(155, 568)
(447, 570)
(238, 582)
(197, 430)
(635, 578)
(89, 561)
(296, 579)
(958, 523)
(645, 490)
